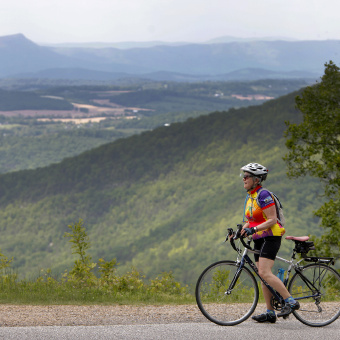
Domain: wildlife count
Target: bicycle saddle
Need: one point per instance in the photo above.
(298, 238)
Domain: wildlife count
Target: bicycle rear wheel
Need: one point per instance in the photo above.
(319, 305)
(224, 305)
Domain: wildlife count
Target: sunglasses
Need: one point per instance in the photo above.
(247, 176)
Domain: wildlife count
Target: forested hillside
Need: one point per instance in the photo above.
(161, 200)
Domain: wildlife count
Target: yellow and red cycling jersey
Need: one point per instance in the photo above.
(255, 213)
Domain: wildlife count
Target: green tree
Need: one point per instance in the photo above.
(5, 262)
(314, 149)
(82, 270)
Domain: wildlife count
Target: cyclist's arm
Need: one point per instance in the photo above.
(246, 225)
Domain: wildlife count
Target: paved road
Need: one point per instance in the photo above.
(290, 329)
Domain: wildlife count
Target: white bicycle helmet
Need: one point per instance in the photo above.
(256, 169)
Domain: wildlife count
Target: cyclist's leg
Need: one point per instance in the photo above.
(267, 294)
(265, 266)
(268, 254)
(269, 315)
(269, 247)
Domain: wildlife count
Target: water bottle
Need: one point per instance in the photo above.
(280, 274)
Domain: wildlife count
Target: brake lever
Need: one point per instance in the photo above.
(230, 233)
(238, 232)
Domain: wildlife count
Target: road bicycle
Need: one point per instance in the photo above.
(227, 292)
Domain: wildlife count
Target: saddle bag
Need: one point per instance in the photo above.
(304, 247)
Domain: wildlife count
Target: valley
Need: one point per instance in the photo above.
(41, 123)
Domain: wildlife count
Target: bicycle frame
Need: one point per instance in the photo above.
(246, 259)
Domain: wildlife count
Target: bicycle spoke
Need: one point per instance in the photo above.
(317, 290)
(218, 301)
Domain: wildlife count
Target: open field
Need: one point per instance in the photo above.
(91, 111)
(73, 120)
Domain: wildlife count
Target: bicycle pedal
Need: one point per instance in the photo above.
(285, 317)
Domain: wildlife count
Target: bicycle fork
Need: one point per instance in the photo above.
(235, 278)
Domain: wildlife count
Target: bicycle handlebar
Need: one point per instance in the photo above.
(234, 235)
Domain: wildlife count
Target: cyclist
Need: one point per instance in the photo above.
(266, 231)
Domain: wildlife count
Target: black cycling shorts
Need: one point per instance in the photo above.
(268, 246)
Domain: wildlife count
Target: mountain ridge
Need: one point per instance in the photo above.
(138, 44)
(19, 55)
(247, 74)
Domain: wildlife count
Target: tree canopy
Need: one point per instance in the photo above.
(314, 148)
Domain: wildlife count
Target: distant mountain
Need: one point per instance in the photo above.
(217, 59)
(73, 73)
(256, 74)
(19, 55)
(239, 75)
(120, 45)
(147, 44)
(246, 74)
(229, 39)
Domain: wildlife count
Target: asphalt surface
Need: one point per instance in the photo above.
(249, 330)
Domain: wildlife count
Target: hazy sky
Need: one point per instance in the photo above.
(57, 21)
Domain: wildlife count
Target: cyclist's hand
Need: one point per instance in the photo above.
(249, 231)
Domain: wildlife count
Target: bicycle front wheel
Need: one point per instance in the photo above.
(319, 301)
(226, 295)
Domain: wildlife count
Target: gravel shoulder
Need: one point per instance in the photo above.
(96, 315)
(69, 315)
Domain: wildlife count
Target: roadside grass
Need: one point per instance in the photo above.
(47, 291)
